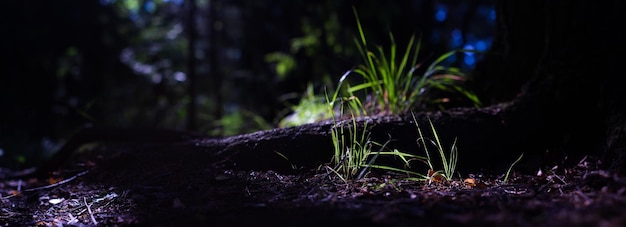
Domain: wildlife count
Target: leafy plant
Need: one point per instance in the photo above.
(351, 150)
(390, 83)
(443, 78)
(310, 109)
(448, 161)
(389, 80)
(355, 154)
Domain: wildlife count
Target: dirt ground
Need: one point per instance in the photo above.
(157, 186)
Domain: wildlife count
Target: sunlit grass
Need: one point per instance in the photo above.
(448, 162)
(387, 78)
(391, 81)
(355, 154)
(391, 85)
(310, 109)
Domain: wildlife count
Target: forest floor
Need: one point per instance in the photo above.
(146, 186)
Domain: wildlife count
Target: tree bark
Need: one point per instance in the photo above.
(559, 63)
(190, 29)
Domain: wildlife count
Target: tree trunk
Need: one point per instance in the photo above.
(190, 29)
(558, 60)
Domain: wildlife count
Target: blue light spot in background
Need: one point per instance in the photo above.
(441, 13)
(174, 1)
(149, 6)
(481, 45)
(469, 47)
(469, 58)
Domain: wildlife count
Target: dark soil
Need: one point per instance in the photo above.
(154, 185)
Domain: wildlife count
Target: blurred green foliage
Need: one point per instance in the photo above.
(73, 63)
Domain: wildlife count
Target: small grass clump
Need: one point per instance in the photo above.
(355, 153)
(390, 79)
(448, 162)
(392, 83)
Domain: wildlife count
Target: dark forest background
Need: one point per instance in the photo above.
(214, 67)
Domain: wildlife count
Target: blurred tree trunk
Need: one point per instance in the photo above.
(191, 64)
(559, 63)
(216, 75)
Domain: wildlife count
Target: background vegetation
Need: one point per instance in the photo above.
(239, 67)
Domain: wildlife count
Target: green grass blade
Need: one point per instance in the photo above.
(431, 69)
(358, 23)
(421, 138)
(506, 176)
(439, 147)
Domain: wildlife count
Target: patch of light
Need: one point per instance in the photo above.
(1, 152)
(470, 58)
(481, 45)
(441, 13)
(469, 47)
(175, 31)
(178, 2)
(180, 76)
(149, 7)
(142, 68)
(133, 9)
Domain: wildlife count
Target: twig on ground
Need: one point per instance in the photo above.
(93, 219)
(57, 183)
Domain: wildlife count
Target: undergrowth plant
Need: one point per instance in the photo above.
(448, 161)
(390, 80)
(392, 83)
(355, 153)
(310, 109)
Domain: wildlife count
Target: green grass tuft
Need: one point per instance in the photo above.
(448, 161)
